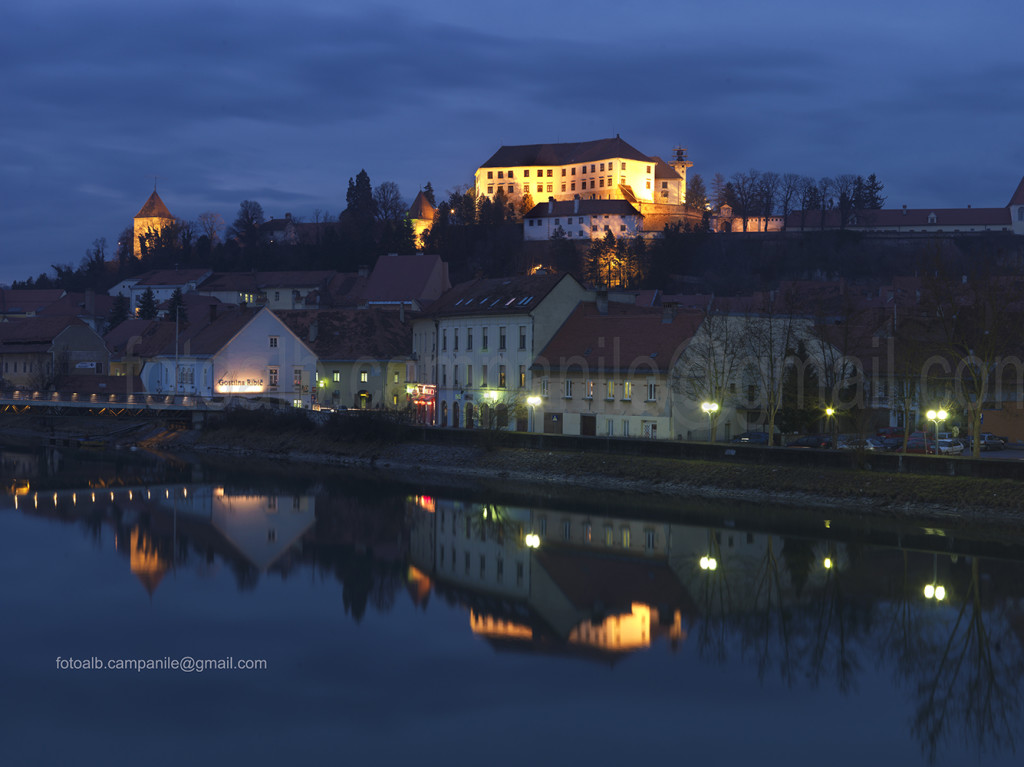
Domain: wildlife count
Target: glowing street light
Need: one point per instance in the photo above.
(710, 408)
(830, 414)
(936, 417)
(532, 540)
(708, 563)
(532, 401)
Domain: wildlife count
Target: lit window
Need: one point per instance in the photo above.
(625, 538)
(272, 377)
(627, 390)
(364, 376)
(522, 376)
(501, 376)
(337, 376)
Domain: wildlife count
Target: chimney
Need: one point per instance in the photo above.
(551, 205)
(314, 331)
(576, 204)
(602, 302)
(668, 313)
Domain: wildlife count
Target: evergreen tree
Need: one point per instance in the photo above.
(176, 307)
(696, 194)
(428, 192)
(147, 305)
(118, 311)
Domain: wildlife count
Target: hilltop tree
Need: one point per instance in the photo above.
(696, 194)
(246, 228)
(118, 311)
(147, 305)
(176, 307)
(428, 192)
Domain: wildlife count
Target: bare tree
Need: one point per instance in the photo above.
(708, 369)
(211, 225)
(390, 206)
(767, 193)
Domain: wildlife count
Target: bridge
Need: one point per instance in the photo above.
(23, 401)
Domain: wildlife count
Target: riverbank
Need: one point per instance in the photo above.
(955, 502)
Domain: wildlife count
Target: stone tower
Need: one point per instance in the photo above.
(153, 217)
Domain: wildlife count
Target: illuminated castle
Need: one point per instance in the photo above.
(153, 217)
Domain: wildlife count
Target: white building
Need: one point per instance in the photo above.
(239, 353)
(580, 219)
(605, 169)
(474, 348)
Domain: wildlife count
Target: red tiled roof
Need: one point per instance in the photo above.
(171, 277)
(407, 278)
(585, 208)
(27, 301)
(351, 334)
(80, 304)
(905, 218)
(627, 337)
(499, 295)
(154, 208)
(141, 338)
(1018, 196)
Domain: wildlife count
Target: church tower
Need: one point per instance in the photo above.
(153, 217)
(421, 214)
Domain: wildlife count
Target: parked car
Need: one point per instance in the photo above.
(752, 437)
(811, 440)
(920, 446)
(892, 444)
(889, 431)
(991, 442)
(949, 447)
(871, 443)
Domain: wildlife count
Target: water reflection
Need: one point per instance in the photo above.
(787, 598)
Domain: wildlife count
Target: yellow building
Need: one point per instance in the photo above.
(421, 214)
(605, 169)
(153, 217)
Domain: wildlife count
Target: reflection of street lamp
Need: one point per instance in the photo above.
(532, 402)
(933, 590)
(708, 563)
(830, 414)
(532, 540)
(936, 417)
(710, 408)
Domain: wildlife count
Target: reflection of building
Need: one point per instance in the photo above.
(261, 527)
(145, 561)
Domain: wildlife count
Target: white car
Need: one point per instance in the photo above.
(950, 447)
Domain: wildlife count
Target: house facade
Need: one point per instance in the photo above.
(246, 354)
(582, 219)
(473, 350)
(162, 282)
(36, 352)
(605, 169)
(606, 372)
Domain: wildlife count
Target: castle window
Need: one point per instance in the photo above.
(574, 170)
(540, 187)
(501, 174)
(592, 168)
(490, 189)
(623, 166)
(526, 173)
(511, 174)
(540, 172)
(490, 174)
(550, 173)
(602, 167)
(549, 187)
(563, 187)
(572, 187)
(563, 171)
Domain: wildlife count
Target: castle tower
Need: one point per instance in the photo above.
(153, 217)
(421, 213)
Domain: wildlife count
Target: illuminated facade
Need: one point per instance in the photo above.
(582, 219)
(421, 214)
(477, 343)
(240, 353)
(605, 169)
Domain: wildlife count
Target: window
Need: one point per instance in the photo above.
(563, 187)
(530, 222)
(622, 227)
(273, 342)
(544, 387)
(627, 390)
(572, 188)
(490, 174)
(395, 377)
(444, 375)
(588, 532)
(592, 168)
(540, 187)
(563, 171)
(652, 391)
(456, 339)
(556, 221)
(566, 530)
(501, 339)
(550, 173)
(272, 377)
(588, 392)
(664, 185)
(550, 187)
(526, 173)
(648, 168)
(609, 390)
(469, 339)
(511, 174)
(490, 189)
(543, 525)
(364, 376)
(609, 535)
(469, 375)
(455, 375)
(501, 376)
(623, 166)
(483, 376)
(625, 427)
(297, 378)
(483, 338)
(568, 388)
(501, 174)
(501, 187)
(611, 428)
(602, 167)
(444, 340)
(601, 182)
(336, 375)
(649, 539)
(522, 376)
(522, 337)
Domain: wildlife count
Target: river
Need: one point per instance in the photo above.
(170, 612)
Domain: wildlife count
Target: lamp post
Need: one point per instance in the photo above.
(830, 413)
(710, 408)
(936, 417)
(532, 402)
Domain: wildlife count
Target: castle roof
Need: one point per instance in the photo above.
(154, 208)
(421, 208)
(564, 154)
(586, 208)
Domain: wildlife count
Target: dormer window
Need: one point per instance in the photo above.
(932, 218)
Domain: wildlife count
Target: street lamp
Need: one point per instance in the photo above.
(936, 416)
(710, 408)
(830, 413)
(532, 402)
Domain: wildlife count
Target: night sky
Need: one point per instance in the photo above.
(282, 103)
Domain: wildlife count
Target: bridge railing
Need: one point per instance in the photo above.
(134, 400)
